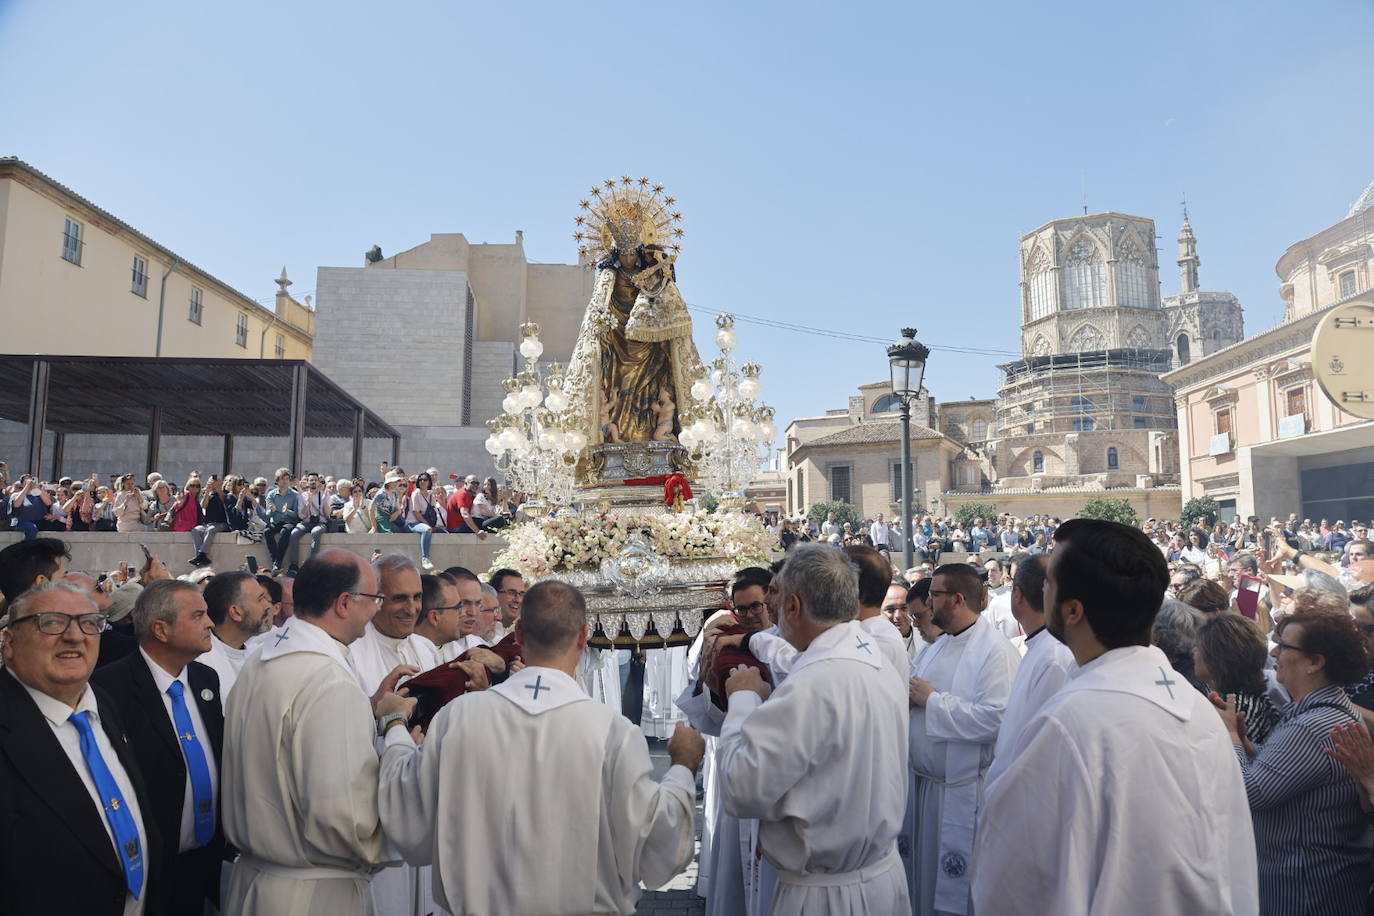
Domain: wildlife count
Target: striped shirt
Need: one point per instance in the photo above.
(1309, 829)
(1260, 715)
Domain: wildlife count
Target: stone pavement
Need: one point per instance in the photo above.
(679, 897)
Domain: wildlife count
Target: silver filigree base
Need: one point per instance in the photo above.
(616, 462)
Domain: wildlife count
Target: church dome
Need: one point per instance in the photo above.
(1364, 202)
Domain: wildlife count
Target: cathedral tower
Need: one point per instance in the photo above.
(1198, 323)
(1092, 332)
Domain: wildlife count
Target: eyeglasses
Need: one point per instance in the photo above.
(54, 623)
(752, 608)
(1284, 645)
(511, 592)
(376, 598)
(460, 606)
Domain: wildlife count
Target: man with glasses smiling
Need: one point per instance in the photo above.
(510, 586)
(73, 837)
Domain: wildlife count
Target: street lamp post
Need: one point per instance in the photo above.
(908, 360)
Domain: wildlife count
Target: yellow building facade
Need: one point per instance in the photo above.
(76, 280)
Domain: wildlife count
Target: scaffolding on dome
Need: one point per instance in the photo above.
(1082, 392)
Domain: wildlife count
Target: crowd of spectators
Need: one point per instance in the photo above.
(1274, 624)
(281, 514)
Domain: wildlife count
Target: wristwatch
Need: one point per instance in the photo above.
(385, 721)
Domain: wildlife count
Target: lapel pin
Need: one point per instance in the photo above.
(207, 694)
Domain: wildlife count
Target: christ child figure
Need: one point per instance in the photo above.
(665, 411)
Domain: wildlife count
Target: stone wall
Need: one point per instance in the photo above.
(98, 552)
(1164, 502)
(395, 340)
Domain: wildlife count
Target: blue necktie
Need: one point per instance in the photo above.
(202, 796)
(121, 819)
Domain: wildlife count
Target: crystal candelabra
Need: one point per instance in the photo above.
(531, 441)
(732, 436)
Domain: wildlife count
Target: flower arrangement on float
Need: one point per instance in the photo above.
(566, 543)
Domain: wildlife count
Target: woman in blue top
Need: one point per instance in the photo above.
(30, 505)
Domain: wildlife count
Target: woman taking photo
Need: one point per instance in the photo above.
(1309, 829)
(103, 514)
(214, 519)
(128, 506)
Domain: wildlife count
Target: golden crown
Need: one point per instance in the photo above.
(624, 215)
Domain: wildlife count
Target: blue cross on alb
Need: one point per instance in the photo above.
(1165, 682)
(282, 635)
(860, 644)
(537, 686)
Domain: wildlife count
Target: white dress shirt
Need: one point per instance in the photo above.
(58, 713)
(163, 680)
(227, 662)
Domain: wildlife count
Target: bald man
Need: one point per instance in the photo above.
(576, 838)
(299, 790)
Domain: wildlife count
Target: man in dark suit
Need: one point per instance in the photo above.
(74, 835)
(170, 705)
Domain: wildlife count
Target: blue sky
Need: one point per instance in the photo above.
(854, 167)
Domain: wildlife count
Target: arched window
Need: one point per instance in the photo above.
(1085, 339)
(1084, 284)
(1113, 462)
(888, 403)
(1132, 277)
(980, 430)
(1038, 461)
(1184, 356)
(1040, 285)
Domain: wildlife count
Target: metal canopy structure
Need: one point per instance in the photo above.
(119, 395)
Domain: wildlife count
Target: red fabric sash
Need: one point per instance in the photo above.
(675, 486)
(728, 659)
(436, 688)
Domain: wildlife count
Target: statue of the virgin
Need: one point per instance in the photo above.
(634, 361)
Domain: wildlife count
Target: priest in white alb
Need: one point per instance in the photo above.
(821, 761)
(1044, 668)
(299, 779)
(725, 870)
(436, 629)
(386, 642)
(1123, 795)
(559, 811)
(958, 693)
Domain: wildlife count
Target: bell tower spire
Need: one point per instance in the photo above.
(1188, 261)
